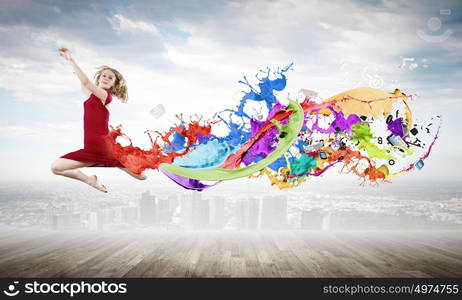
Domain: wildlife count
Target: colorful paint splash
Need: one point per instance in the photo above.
(365, 131)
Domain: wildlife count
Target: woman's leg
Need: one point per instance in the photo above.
(68, 168)
(139, 177)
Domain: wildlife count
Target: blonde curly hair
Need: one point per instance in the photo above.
(119, 89)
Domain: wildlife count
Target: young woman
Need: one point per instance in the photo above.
(96, 151)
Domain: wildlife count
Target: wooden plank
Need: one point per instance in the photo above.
(231, 254)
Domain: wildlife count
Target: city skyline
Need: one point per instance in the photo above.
(326, 210)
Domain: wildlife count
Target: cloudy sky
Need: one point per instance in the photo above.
(189, 56)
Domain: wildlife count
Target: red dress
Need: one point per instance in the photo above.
(96, 148)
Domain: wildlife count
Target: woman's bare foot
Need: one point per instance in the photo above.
(94, 182)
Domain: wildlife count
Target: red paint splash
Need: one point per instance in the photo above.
(137, 160)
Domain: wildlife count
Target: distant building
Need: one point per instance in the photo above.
(94, 221)
(174, 201)
(186, 209)
(247, 213)
(107, 215)
(194, 212)
(164, 210)
(126, 214)
(147, 209)
(274, 212)
(201, 213)
(61, 220)
(217, 212)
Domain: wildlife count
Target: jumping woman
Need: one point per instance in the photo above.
(96, 151)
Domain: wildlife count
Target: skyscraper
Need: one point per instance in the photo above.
(186, 209)
(247, 213)
(94, 221)
(147, 208)
(274, 212)
(217, 212)
(201, 213)
(164, 210)
(126, 214)
(194, 211)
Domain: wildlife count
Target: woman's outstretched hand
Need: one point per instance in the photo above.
(65, 53)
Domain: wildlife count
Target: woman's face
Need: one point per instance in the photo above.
(106, 79)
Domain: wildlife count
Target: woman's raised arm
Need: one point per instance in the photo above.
(86, 82)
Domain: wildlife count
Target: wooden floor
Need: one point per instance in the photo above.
(230, 254)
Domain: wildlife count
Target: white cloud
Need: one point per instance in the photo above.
(124, 24)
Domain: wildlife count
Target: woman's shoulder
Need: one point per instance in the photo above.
(107, 101)
(108, 98)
